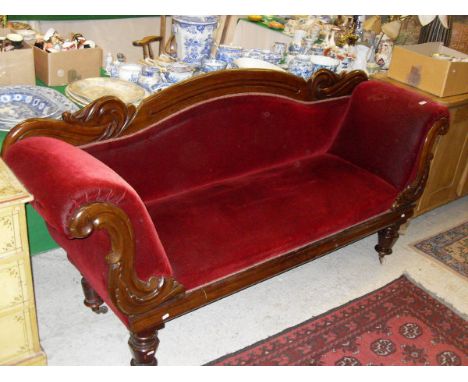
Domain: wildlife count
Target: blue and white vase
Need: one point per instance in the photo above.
(194, 37)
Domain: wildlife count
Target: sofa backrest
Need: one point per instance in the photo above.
(221, 138)
(384, 130)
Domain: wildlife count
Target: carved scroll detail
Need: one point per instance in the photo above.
(326, 84)
(129, 293)
(414, 190)
(104, 118)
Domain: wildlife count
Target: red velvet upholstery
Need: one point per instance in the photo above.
(233, 181)
(63, 178)
(228, 226)
(219, 139)
(384, 129)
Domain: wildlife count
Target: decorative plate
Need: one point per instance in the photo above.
(21, 102)
(90, 89)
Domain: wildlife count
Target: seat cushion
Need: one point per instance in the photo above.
(220, 229)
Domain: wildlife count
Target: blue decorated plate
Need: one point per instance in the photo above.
(18, 103)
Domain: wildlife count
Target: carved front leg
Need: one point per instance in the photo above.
(143, 347)
(387, 238)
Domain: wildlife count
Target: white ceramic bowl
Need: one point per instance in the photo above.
(324, 62)
(129, 72)
(245, 62)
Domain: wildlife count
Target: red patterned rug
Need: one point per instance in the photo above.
(399, 324)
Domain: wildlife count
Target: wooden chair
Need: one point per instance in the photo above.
(146, 42)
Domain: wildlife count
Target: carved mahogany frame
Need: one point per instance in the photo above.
(149, 304)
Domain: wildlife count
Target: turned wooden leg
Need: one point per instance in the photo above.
(92, 299)
(143, 347)
(387, 237)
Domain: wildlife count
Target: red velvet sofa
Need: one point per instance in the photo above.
(220, 182)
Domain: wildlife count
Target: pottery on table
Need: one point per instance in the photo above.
(194, 37)
(129, 72)
(228, 53)
(16, 39)
(301, 66)
(212, 65)
(149, 78)
(21, 102)
(178, 71)
(89, 89)
(273, 58)
(254, 54)
(324, 62)
(280, 48)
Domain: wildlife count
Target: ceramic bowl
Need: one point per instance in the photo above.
(323, 62)
(179, 71)
(16, 39)
(212, 65)
(228, 53)
(129, 72)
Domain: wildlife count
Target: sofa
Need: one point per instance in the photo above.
(220, 182)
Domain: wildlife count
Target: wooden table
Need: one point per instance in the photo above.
(19, 339)
(448, 178)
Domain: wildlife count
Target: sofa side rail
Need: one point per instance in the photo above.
(78, 196)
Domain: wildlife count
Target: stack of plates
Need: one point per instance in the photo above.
(21, 102)
(85, 91)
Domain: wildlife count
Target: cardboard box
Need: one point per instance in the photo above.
(61, 68)
(17, 66)
(415, 66)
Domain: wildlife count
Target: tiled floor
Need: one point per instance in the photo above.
(72, 335)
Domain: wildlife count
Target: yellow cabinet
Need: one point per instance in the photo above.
(19, 339)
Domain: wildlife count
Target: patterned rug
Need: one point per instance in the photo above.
(449, 247)
(399, 324)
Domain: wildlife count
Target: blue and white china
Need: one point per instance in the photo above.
(129, 72)
(21, 102)
(229, 53)
(194, 37)
(324, 62)
(345, 63)
(273, 58)
(301, 66)
(317, 50)
(308, 45)
(149, 77)
(280, 48)
(294, 48)
(178, 71)
(211, 65)
(254, 53)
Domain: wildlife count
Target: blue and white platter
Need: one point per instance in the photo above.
(21, 102)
